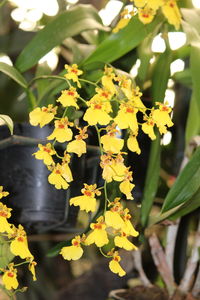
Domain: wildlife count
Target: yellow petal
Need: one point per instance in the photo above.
(71, 252)
(61, 135)
(114, 220)
(139, 3)
(85, 202)
(172, 13)
(112, 144)
(77, 146)
(58, 181)
(97, 236)
(39, 117)
(19, 247)
(148, 129)
(126, 187)
(116, 268)
(123, 242)
(146, 15)
(10, 280)
(126, 120)
(31, 268)
(4, 225)
(129, 229)
(133, 145)
(121, 24)
(94, 116)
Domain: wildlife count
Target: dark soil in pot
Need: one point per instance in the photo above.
(149, 293)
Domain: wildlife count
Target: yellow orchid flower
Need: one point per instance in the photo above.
(115, 266)
(98, 235)
(69, 98)
(19, 246)
(57, 177)
(62, 133)
(72, 73)
(42, 116)
(172, 13)
(73, 252)
(132, 144)
(86, 202)
(45, 153)
(4, 215)
(123, 242)
(9, 278)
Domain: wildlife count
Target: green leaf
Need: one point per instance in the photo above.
(178, 211)
(193, 120)
(8, 121)
(5, 255)
(159, 85)
(187, 207)
(184, 77)
(42, 69)
(195, 67)
(67, 24)
(56, 250)
(186, 184)
(151, 181)
(13, 73)
(118, 44)
(145, 53)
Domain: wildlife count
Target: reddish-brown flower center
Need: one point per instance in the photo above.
(171, 4)
(145, 16)
(3, 214)
(47, 150)
(75, 71)
(75, 243)
(129, 110)
(104, 94)
(20, 239)
(151, 123)
(88, 193)
(97, 226)
(10, 274)
(57, 172)
(165, 108)
(97, 106)
(116, 258)
(61, 126)
(70, 93)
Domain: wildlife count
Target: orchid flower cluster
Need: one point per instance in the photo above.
(146, 11)
(16, 238)
(114, 222)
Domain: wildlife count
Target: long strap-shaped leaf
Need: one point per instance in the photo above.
(159, 85)
(118, 44)
(186, 185)
(67, 24)
(13, 73)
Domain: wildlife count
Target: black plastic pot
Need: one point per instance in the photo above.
(36, 204)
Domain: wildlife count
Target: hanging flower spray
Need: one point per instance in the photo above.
(114, 222)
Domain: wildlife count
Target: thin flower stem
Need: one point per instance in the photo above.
(88, 81)
(105, 183)
(82, 99)
(99, 139)
(105, 255)
(22, 263)
(106, 196)
(48, 77)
